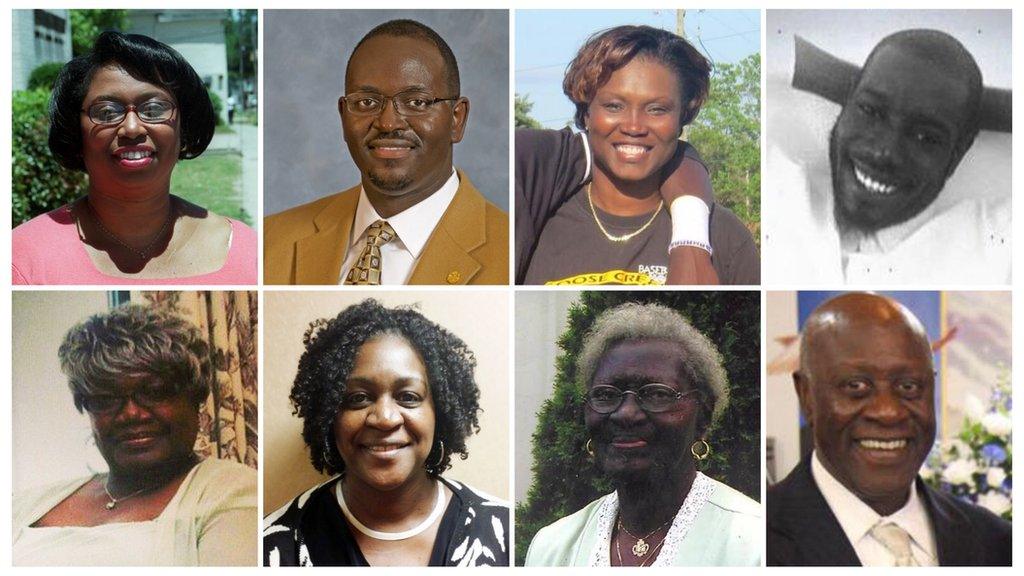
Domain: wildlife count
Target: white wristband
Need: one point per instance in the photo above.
(690, 219)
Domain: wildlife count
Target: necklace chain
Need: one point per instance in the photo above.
(643, 564)
(115, 501)
(624, 237)
(641, 547)
(142, 253)
(404, 535)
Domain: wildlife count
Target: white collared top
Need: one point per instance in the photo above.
(857, 519)
(413, 227)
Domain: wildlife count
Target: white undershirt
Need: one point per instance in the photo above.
(413, 226)
(857, 519)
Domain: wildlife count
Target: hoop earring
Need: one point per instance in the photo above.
(701, 454)
(436, 468)
(589, 447)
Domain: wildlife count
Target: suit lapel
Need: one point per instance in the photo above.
(811, 524)
(953, 540)
(318, 257)
(446, 257)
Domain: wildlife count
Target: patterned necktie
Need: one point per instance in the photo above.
(366, 270)
(897, 541)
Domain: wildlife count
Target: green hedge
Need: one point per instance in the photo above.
(44, 75)
(565, 480)
(218, 105)
(39, 183)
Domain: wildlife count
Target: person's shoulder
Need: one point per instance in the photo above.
(474, 495)
(226, 481)
(983, 522)
(44, 229)
(31, 503)
(299, 219)
(733, 501)
(542, 138)
(551, 542)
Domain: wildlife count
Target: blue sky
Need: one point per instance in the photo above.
(546, 40)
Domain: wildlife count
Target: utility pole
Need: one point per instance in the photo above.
(681, 32)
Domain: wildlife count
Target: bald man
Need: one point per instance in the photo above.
(866, 386)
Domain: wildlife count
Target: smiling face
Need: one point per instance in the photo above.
(866, 387)
(402, 155)
(633, 121)
(896, 140)
(132, 153)
(144, 437)
(385, 428)
(633, 445)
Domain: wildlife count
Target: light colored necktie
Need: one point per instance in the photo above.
(897, 541)
(366, 270)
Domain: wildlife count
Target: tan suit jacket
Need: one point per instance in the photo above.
(307, 244)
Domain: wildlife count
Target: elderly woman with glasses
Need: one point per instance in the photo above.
(654, 386)
(125, 114)
(141, 375)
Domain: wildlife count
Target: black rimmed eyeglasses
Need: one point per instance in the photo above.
(605, 399)
(411, 103)
(148, 397)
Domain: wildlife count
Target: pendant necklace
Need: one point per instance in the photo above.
(641, 548)
(113, 502)
(624, 237)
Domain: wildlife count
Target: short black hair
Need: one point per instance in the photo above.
(134, 339)
(331, 347)
(145, 59)
(942, 49)
(413, 29)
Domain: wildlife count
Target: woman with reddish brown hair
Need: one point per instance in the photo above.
(627, 202)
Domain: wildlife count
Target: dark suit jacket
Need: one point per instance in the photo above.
(803, 531)
(307, 244)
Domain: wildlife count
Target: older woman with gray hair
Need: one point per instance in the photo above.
(141, 375)
(654, 387)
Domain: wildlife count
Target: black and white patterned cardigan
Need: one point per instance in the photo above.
(481, 535)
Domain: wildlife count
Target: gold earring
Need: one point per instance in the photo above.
(700, 454)
(589, 448)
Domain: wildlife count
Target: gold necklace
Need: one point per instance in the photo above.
(624, 237)
(643, 564)
(143, 253)
(641, 547)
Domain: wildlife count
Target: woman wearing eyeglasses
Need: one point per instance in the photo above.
(125, 114)
(141, 375)
(654, 387)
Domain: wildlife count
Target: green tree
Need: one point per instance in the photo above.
(523, 118)
(240, 38)
(565, 479)
(86, 25)
(727, 133)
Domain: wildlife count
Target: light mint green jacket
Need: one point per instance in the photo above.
(728, 530)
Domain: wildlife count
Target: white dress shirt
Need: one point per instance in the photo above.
(857, 519)
(413, 227)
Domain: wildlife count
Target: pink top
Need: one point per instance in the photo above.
(47, 250)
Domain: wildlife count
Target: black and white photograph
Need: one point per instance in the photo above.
(888, 156)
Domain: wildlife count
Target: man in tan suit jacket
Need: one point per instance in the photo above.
(401, 115)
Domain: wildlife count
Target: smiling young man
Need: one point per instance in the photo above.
(414, 219)
(866, 385)
(879, 216)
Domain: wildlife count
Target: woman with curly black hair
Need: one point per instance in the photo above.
(386, 398)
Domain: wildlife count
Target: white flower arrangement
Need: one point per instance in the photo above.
(977, 465)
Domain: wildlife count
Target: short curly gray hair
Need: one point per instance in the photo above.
(130, 340)
(702, 364)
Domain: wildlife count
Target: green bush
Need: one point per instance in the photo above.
(564, 478)
(44, 75)
(39, 183)
(218, 105)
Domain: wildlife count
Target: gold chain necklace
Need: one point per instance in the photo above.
(643, 564)
(624, 237)
(641, 547)
(142, 253)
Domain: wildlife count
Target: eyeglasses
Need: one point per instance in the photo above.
(652, 398)
(108, 113)
(148, 397)
(412, 103)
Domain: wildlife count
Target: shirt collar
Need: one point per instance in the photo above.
(415, 224)
(857, 518)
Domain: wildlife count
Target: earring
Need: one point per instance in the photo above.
(436, 468)
(589, 447)
(701, 454)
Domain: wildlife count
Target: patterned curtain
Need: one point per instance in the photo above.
(228, 425)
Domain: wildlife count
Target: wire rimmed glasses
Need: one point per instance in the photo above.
(111, 113)
(653, 398)
(409, 103)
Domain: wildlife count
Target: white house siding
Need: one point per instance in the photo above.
(38, 36)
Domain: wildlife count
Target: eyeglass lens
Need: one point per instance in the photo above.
(147, 397)
(115, 112)
(406, 103)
